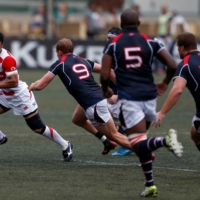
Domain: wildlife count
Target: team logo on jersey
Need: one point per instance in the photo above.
(12, 68)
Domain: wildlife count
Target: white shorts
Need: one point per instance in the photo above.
(114, 109)
(23, 104)
(132, 112)
(196, 123)
(98, 114)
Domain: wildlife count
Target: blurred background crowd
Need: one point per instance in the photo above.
(91, 19)
(85, 19)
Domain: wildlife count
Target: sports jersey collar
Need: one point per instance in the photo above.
(130, 29)
(191, 53)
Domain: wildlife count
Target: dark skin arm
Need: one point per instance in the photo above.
(169, 61)
(105, 75)
(11, 82)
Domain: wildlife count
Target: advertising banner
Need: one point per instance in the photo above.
(40, 54)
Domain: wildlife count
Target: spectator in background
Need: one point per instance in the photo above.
(175, 21)
(89, 21)
(98, 20)
(136, 8)
(163, 21)
(38, 21)
(114, 17)
(61, 14)
(163, 35)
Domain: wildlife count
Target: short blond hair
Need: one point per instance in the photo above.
(65, 45)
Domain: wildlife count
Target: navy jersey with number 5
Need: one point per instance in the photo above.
(76, 74)
(189, 70)
(132, 54)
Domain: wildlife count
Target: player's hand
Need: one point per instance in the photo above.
(107, 94)
(31, 87)
(113, 99)
(160, 117)
(161, 88)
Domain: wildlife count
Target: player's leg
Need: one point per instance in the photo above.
(114, 110)
(80, 119)
(133, 119)
(4, 107)
(25, 105)
(195, 131)
(111, 132)
(35, 123)
(100, 117)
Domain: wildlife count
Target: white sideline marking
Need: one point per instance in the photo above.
(113, 164)
(133, 164)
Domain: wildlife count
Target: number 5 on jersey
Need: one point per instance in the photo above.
(135, 61)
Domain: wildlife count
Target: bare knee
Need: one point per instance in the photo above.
(78, 121)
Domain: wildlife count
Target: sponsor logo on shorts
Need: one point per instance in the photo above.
(26, 107)
(34, 103)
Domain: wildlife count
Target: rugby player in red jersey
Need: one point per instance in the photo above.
(15, 95)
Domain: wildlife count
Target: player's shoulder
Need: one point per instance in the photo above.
(145, 36)
(6, 54)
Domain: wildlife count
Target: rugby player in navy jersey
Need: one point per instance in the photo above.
(131, 53)
(113, 100)
(76, 74)
(80, 119)
(187, 75)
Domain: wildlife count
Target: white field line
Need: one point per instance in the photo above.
(90, 162)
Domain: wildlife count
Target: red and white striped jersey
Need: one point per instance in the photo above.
(8, 66)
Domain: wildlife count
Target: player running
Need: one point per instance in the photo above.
(15, 95)
(132, 52)
(76, 74)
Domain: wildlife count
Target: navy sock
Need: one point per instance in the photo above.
(99, 135)
(146, 164)
(151, 144)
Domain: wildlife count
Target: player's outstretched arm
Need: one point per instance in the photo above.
(174, 94)
(43, 82)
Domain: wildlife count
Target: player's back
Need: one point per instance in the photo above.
(76, 74)
(191, 68)
(133, 54)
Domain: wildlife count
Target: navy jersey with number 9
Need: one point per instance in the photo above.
(76, 74)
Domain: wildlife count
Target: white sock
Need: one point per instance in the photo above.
(103, 138)
(1, 135)
(54, 136)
